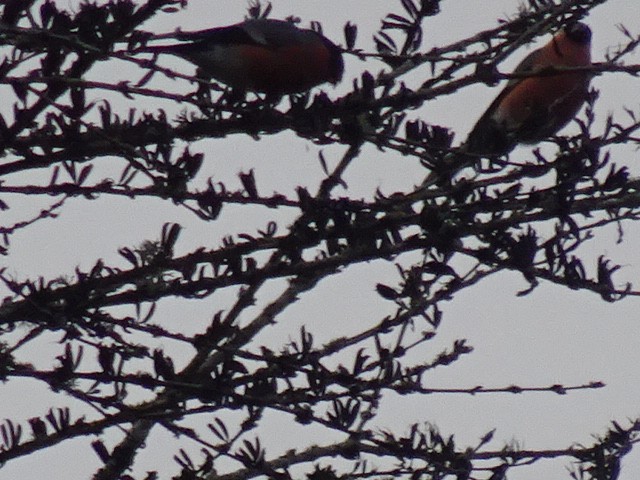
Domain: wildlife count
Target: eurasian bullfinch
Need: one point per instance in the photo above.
(261, 55)
(533, 108)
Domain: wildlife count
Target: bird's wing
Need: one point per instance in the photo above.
(278, 33)
(526, 65)
(231, 35)
(487, 136)
(267, 33)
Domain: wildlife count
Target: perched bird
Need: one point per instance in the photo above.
(530, 109)
(261, 55)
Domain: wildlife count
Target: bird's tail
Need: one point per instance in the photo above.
(176, 49)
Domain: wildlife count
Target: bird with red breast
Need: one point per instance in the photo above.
(536, 105)
(261, 55)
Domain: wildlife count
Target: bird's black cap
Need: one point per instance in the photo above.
(578, 32)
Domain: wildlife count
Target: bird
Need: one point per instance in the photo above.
(260, 55)
(532, 108)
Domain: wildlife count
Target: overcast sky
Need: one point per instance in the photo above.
(551, 336)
